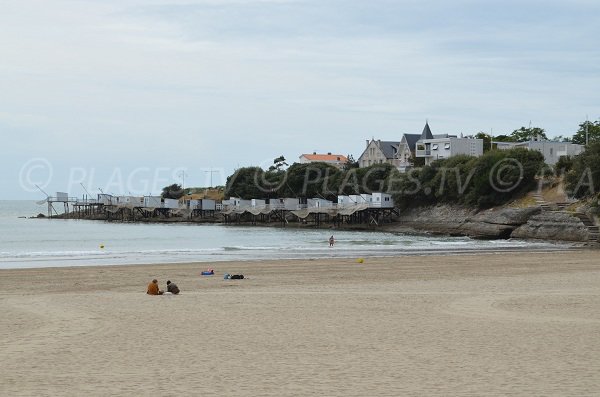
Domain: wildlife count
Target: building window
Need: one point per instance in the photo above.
(551, 151)
(434, 146)
(447, 146)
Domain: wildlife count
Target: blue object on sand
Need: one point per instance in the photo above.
(226, 277)
(207, 273)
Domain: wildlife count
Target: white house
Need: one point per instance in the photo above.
(432, 148)
(105, 199)
(170, 203)
(190, 204)
(62, 197)
(318, 203)
(152, 201)
(288, 203)
(130, 201)
(258, 203)
(381, 200)
(343, 201)
(227, 203)
(360, 198)
(551, 150)
(236, 202)
(207, 204)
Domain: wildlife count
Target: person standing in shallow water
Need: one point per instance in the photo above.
(331, 241)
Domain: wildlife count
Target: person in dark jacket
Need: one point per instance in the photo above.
(172, 287)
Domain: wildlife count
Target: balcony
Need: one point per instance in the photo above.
(423, 153)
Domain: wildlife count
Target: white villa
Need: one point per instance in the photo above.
(551, 150)
(434, 148)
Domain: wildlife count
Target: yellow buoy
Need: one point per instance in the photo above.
(360, 260)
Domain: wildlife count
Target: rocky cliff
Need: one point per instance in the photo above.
(552, 226)
(495, 223)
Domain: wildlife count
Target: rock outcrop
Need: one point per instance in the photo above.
(496, 223)
(553, 226)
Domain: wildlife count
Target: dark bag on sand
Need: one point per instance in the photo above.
(237, 276)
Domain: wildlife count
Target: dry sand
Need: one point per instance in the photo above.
(475, 325)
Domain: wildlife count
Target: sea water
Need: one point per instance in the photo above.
(26, 242)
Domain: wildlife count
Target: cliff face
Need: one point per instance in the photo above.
(496, 223)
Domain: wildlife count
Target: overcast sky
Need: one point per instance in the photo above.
(121, 95)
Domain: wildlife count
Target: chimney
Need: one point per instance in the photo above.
(367, 143)
(329, 153)
(314, 152)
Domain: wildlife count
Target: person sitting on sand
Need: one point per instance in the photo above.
(172, 287)
(153, 288)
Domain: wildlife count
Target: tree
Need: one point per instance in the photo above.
(487, 140)
(583, 179)
(375, 178)
(278, 164)
(309, 180)
(494, 178)
(249, 183)
(564, 164)
(504, 138)
(173, 191)
(524, 134)
(593, 130)
(350, 163)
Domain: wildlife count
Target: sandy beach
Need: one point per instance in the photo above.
(471, 325)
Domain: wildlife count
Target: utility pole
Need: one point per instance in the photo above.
(211, 175)
(587, 124)
(182, 175)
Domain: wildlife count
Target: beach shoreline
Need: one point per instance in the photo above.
(482, 324)
(334, 254)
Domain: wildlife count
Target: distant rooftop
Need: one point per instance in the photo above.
(325, 157)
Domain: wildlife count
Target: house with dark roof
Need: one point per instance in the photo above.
(436, 147)
(406, 151)
(426, 145)
(379, 152)
(408, 146)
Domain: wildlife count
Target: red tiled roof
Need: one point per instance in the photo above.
(326, 157)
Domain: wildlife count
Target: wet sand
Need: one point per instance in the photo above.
(471, 325)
